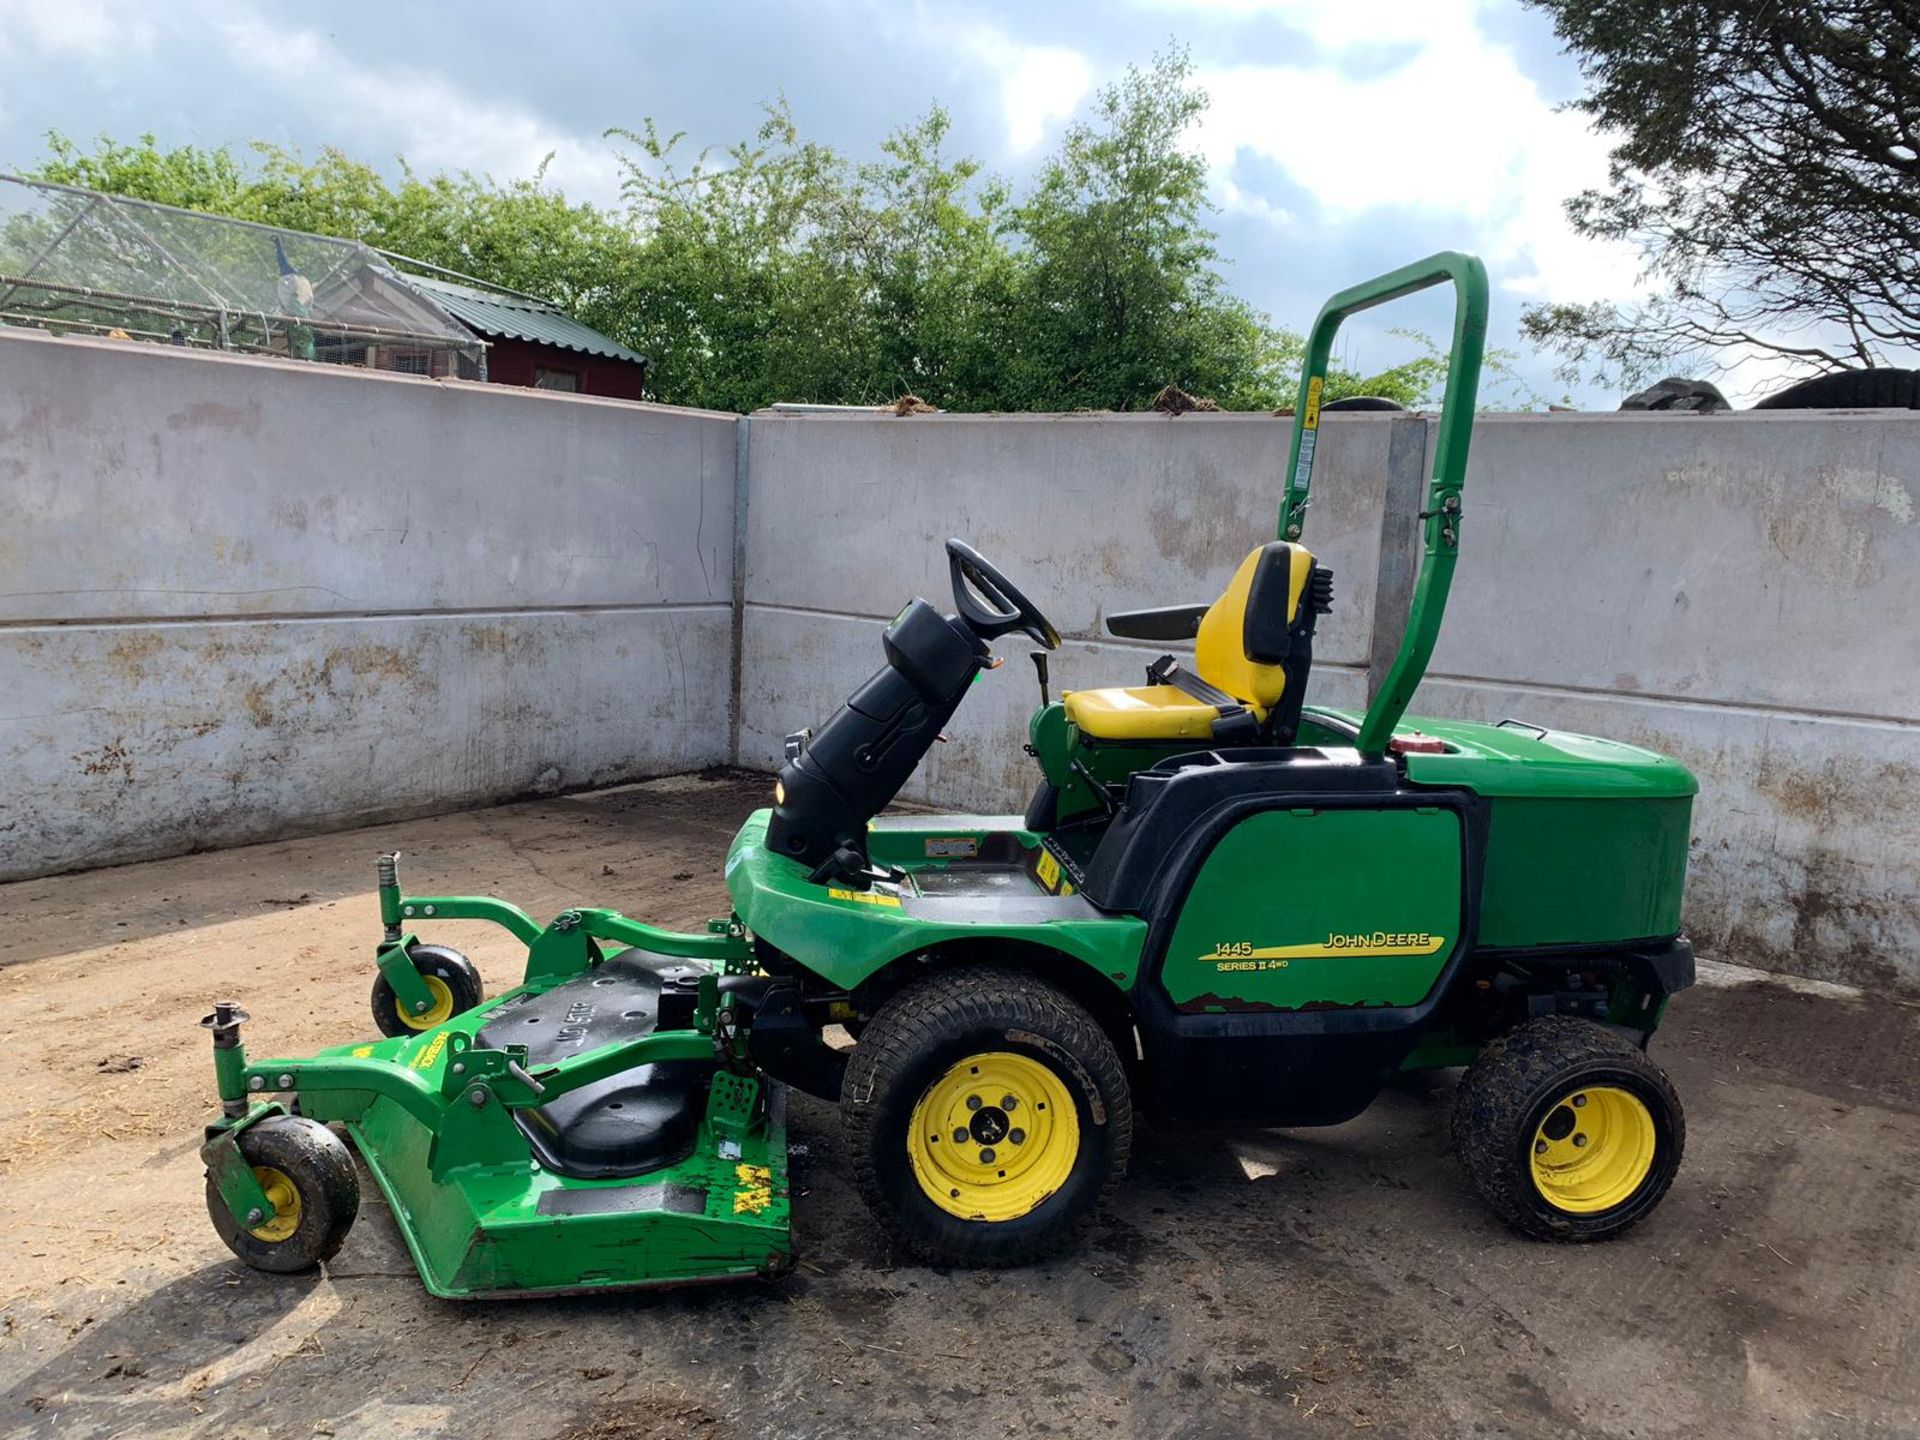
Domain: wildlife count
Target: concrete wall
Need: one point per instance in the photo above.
(242, 598)
(1737, 591)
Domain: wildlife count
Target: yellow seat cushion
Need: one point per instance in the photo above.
(1165, 712)
(1145, 712)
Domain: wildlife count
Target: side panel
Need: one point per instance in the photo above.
(1584, 871)
(1306, 908)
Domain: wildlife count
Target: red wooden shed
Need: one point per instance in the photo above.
(533, 342)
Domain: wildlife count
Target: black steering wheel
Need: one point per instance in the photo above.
(988, 601)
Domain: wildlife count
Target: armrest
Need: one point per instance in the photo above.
(1169, 622)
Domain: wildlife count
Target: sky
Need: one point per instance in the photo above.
(1342, 139)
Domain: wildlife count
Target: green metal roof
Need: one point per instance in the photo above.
(511, 316)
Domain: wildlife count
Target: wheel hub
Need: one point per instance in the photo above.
(989, 1125)
(993, 1137)
(439, 1013)
(1593, 1150)
(284, 1196)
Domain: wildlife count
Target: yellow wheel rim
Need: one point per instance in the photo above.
(994, 1137)
(285, 1197)
(438, 1013)
(1594, 1150)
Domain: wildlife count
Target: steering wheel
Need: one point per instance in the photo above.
(988, 601)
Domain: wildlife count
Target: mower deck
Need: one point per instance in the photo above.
(650, 1177)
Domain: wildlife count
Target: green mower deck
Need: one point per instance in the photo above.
(459, 1124)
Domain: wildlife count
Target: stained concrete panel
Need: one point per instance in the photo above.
(132, 741)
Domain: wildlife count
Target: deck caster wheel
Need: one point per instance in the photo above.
(1568, 1130)
(986, 1116)
(453, 979)
(308, 1174)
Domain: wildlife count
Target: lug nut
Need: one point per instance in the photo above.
(1579, 1142)
(1008, 1102)
(1578, 1101)
(1539, 1147)
(973, 1102)
(959, 1134)
(1017, 1137)
(986, 1157)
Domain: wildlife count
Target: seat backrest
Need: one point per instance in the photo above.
(1242, 646)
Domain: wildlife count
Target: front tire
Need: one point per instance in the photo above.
(308, 1174)
(958, 1174)
(1568, 1130)
(452, 979)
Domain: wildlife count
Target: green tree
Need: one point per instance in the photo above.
(927, 237)
(1123, 290)
(1768, 168)
(735, 295)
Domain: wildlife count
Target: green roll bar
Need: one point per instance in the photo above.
(1442, 513)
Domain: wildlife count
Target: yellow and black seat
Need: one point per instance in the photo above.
(1252, 649)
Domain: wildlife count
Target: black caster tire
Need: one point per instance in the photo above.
(987, 1116)
(308, 1173)
(1567, 1130)
(451, 976)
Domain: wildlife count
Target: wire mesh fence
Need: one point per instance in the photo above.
(80, 262)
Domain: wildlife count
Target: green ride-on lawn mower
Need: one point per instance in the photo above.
(1220, 906)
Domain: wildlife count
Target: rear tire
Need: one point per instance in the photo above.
(1875, 389)
(1362, 403)
(451, 976)
(958, 1175)
(1567, 1130)
(308, 1173)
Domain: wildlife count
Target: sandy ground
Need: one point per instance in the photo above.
(1257, 1283)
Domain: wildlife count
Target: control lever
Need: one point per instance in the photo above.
(849, 867)
(1040, 668)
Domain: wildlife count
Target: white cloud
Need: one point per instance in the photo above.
(1442, 123)
(423, 115)
(63, 26)
(1040, 85)
(1043, 84)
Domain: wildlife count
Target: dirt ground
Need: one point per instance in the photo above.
(1251, 1283)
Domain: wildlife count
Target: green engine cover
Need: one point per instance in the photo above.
(1306, 908)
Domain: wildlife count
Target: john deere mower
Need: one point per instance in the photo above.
(1221, 905)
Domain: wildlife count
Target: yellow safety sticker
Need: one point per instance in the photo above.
(864, 897)
(1311, 419)
(361, 1052)
(757, 1189)
(1047, 871)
